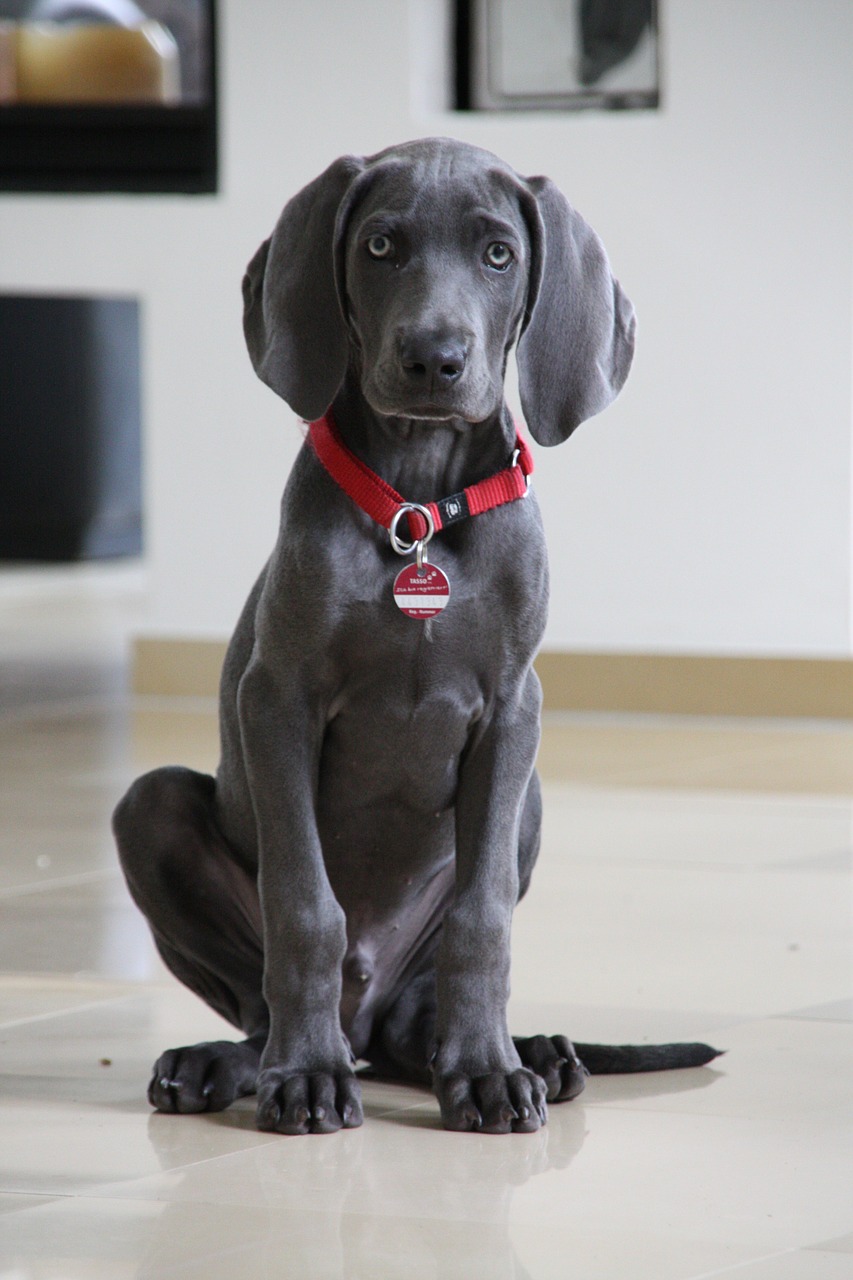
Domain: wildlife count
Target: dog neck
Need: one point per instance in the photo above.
(424, 459)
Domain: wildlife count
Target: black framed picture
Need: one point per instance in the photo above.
(108, 95)
(559, 55)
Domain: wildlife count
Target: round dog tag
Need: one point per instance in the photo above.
(421, 595)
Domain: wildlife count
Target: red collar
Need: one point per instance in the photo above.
(382, 503)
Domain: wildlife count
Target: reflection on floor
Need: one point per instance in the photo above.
(694, 883)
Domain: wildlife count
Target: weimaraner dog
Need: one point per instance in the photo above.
(343, 888)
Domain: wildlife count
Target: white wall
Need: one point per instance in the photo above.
(710, 509)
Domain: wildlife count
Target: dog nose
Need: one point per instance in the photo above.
(432, 360)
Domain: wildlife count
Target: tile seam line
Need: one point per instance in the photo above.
(43, 1198)
(33, 887)
(61, 1013)
(107, 1190)
(750, 1262)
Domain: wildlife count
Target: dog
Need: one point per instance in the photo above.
(343, 888)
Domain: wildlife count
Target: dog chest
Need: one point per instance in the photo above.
(398, 737)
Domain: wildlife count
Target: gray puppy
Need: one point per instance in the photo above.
(344, 887)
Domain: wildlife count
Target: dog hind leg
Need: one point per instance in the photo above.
(202, 907)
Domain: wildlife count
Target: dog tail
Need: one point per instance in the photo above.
(616, 1059)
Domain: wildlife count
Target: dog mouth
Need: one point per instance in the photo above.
(430, 404)
(428, 412)
(425, 413)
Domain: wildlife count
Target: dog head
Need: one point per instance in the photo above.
(422, 265)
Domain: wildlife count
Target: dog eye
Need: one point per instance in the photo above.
(499, 255)
(380, 246)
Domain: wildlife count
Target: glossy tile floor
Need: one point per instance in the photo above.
(694, 883)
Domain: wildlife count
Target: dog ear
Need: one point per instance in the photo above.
(577, 342)
(292, 316)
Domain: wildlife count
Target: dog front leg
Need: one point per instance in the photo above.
(306, 1083)
(478, 1076)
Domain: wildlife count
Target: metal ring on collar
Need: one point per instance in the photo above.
(514, 463)
(404, 548)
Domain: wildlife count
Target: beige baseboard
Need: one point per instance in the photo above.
(177, 668)
(681, 684)
(687, 684)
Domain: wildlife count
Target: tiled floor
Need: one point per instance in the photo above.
(695, 882)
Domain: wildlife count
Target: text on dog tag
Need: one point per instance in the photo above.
(421, 594)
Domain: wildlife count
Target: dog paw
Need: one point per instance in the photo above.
(320, 1102)
(500, 1102)
(554, 1059)
(203, 1077)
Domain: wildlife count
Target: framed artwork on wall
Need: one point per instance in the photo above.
(108, 95)
(559, 55)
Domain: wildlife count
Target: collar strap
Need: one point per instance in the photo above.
(382, 503)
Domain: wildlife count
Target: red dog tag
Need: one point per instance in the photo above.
(421, 595)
